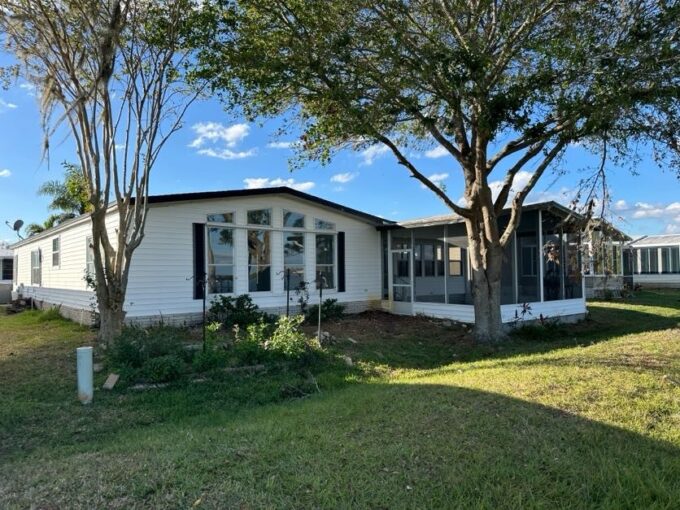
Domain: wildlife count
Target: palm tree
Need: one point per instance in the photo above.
(69, 198)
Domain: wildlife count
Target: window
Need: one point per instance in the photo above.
(293, 220)
(293, 259)
(325, 260)
(55, 251)
(259, 261)
(455, 261)
(36, 267)
(260, 217)
(429, 259)
(220, 260)
(7, 269)
(227, 217)
(670, 259)
(89, 257)
(323, 225)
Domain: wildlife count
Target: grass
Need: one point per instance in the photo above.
(588, 418)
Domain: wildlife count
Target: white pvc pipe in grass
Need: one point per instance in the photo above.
(85, 374)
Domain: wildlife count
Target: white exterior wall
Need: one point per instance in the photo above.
(162, 267)
(63, 285)
(466, 313)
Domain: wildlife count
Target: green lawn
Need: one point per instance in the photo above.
(589, 418)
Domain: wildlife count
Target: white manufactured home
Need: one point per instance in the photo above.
(655, 261)
(247, 241)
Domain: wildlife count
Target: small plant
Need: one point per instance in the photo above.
(287, 339)
(249, 347)
(166, 368)
(330, 310)
(136, 345)
(302, 293)
(50, 314)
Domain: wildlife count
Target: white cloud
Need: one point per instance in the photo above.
(266, 182)
(370, 154)
(215, 132)
(437, 152)
(4, 105)
(226, 154)
(27, 86)
(280, 145)
(620, 205)
(344, 178)
(5, 172)
(437, 179)
(216, 140)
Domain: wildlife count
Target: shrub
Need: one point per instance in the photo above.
(209, 360)
(166, 368)
(330, 310)
(136, 345)
(249, 348)
(239, 311)
(288, 340)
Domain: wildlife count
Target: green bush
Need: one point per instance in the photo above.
(239, 311)
(136, 345)
(166, 368)
(287, 339)
(330, 310)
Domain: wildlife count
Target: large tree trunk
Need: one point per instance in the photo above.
(486, 294)
(110, 323)
(486, 260)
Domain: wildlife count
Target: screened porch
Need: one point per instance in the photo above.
(426, 268)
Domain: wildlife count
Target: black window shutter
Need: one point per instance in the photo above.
(341, 262)
(199, 259)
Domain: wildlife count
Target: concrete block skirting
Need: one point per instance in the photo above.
(85, 316)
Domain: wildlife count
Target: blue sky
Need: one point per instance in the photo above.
(215, 151)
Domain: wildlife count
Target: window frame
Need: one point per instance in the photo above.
(36, 268)
(455, 260)
(56, 252)
(292, 227)
(271, 217)
(208, 264)
(268, 236)
(302, 266)
(324, 225)
(333, 265)
(217, 222)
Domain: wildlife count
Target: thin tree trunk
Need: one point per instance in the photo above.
(110, 323)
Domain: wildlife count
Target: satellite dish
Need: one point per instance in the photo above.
(16, 227)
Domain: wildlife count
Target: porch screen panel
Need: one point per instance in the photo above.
(553, 258)
(573, 286)
(508, 288)
(429, 265)
(457, 277)
(528, 264)
(670, 259)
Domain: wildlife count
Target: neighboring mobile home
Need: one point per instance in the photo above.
(247, 240)
(655, 261)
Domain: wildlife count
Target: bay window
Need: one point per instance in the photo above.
(293, 259)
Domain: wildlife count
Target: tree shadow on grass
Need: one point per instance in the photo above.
(369, 446)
